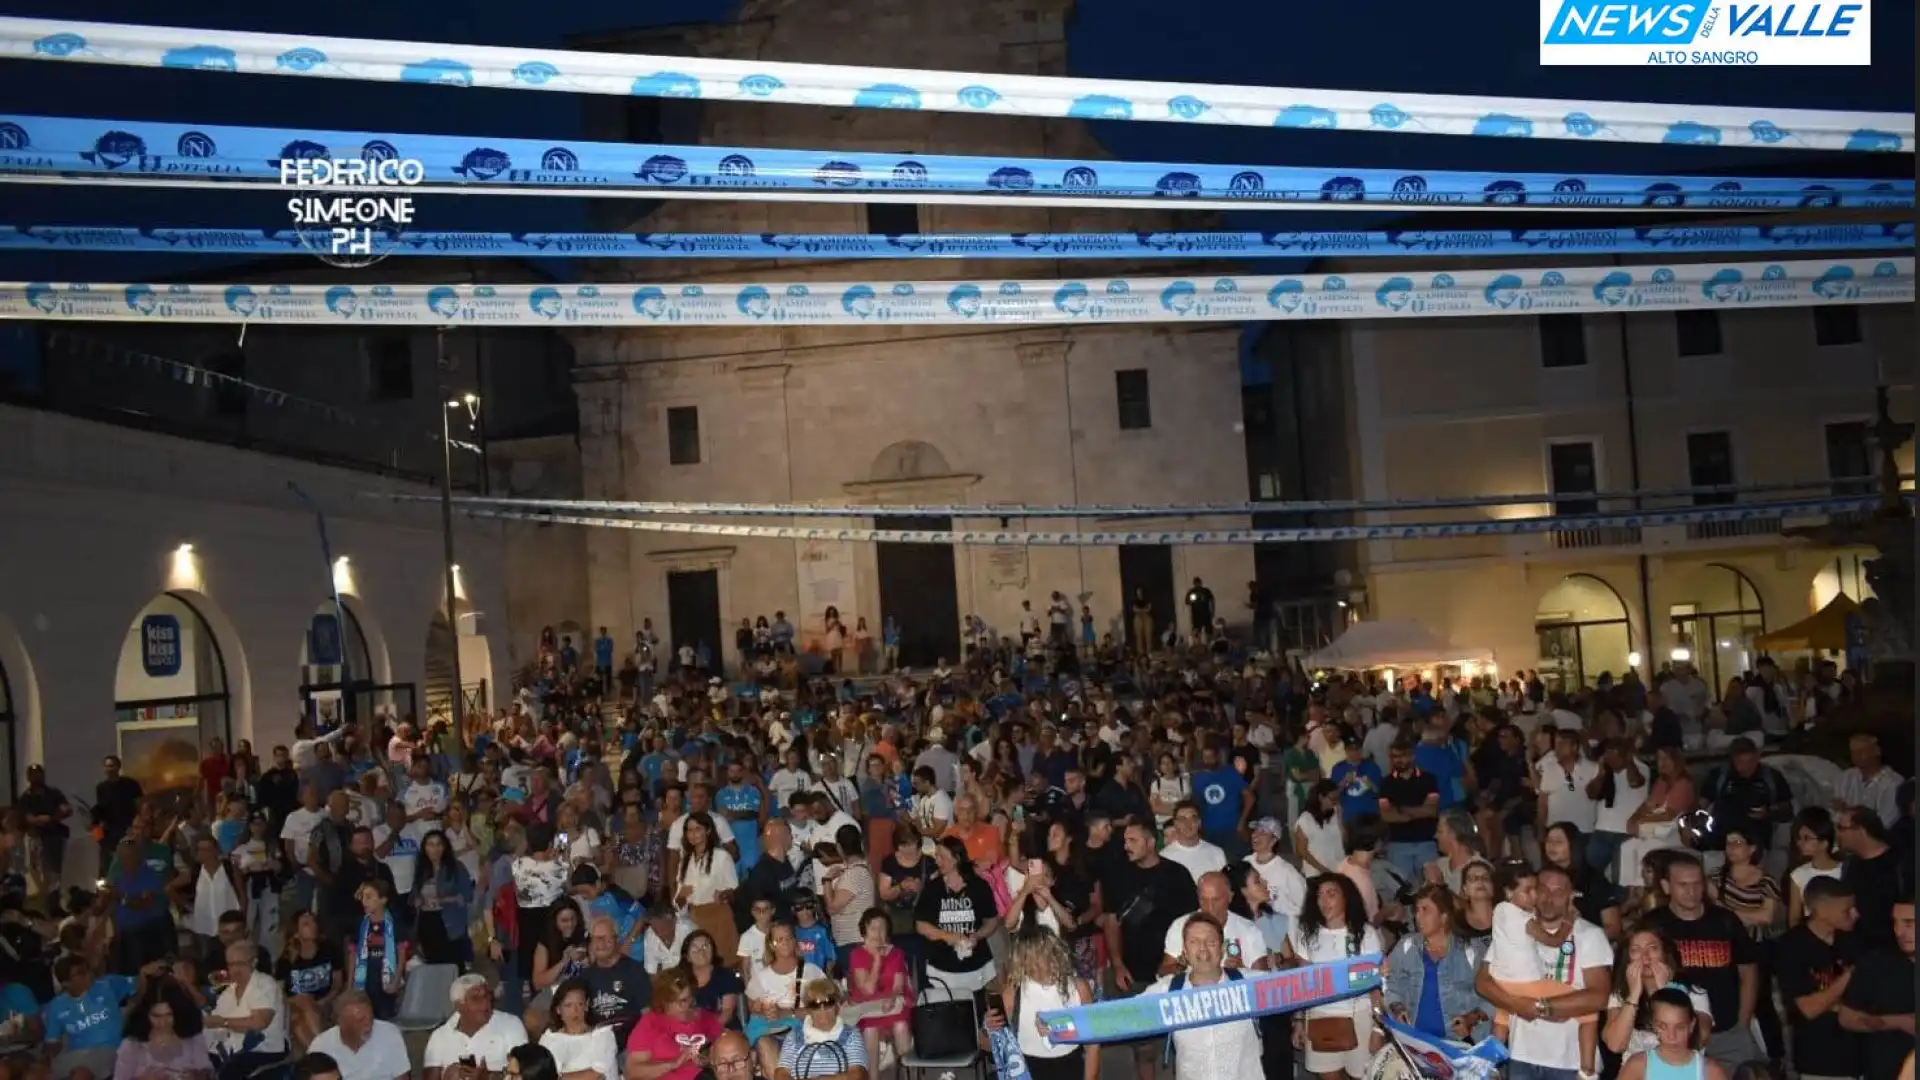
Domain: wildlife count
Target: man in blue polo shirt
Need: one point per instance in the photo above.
(1444, 758)
(1359, 782)
(85, 1021)
(1225, 801)
(742, 802)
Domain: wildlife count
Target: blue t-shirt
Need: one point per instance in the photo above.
(746, 834)
(1431, 1019)
(622, 913)
(1218, 792)
(816, 945)
(142, 883)
(652, 766)
(91, 1021)
(1442, 762)
(1359, 789)
(228, 834)
(603, 652)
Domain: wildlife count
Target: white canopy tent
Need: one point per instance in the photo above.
(1396, 643)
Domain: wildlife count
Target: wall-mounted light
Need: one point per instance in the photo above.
(183, 570)
(1680, 655)
(343, 576)
(1633, 659)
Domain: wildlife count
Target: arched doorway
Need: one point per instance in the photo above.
(1583, 630)
(170, 693)
(341, 666)
(1717, 626)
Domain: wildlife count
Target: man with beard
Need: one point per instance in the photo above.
(1544, 1041)
(1143, 903)
(620, 988)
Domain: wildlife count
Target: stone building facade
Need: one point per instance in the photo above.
(895, 415)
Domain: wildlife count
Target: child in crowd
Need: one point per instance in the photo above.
(816, 941)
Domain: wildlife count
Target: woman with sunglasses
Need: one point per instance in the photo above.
(823, 1046)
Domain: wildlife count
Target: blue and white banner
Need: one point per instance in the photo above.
(128, 149)
(1418, 294)
(1122, 510)
(1254, 994)
(945, 91)
(1446, 1059)
(1705, 239)
(1755, 512)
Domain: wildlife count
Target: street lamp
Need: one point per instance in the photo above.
(471, 404)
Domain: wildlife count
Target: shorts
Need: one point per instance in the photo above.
(98, 1060)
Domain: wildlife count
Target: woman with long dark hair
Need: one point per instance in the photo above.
(1253, 901)
(442, 902)
(1317, 836)
(956, 914)
(531, 1061)
(1595, 898)
(163, 1037)
(715, 988)
(580, 1050)
(1645, 963)
(311, 976)
(1339, 1038)
(561, 954)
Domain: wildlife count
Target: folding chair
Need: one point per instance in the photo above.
(914, 1064)
(427, 1001)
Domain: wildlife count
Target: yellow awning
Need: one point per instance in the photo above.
(1824, 629)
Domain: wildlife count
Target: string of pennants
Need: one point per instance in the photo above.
(81, 346)
(1767, 511)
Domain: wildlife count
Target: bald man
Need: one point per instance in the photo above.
(730, 1057)
(1245, 947)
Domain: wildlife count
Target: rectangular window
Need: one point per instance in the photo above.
(1563, 341)
(1710, 464)
(1697, 332)
(1573, 470)
(683, 435)
(229, 396)
(1136, 407)
(1836, 324)
(893, 219)
(1850, 457)
(390, 368)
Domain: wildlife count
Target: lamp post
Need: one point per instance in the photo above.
(471, 403)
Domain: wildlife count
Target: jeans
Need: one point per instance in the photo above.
(1520, 1070)
(1603, 851)
(1410, 858)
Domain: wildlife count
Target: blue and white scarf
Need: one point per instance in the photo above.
(389, 954)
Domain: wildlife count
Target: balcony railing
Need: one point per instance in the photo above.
(1601, 537)
(1731, 530)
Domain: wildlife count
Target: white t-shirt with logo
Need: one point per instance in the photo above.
(1555, 1044)
(425, 796)
(1244, 941)
(299, 828)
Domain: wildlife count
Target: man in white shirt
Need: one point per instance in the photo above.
(1246, 947)
(831, 819)
(475, 1030)
(1687, 694)
(665, 935)
(425, 798)
(364, 1048)
(1378, 743)
(1544, 1041)
(1186, 848)
(1229, 1050)
(1869, 783)
(1563, 718)
(1286, 886)
(1562, 780)
(932, 807)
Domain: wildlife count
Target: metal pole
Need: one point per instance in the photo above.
(1642, 569)
(458, 703)
(339, 611)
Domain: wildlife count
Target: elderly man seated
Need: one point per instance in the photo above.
(361, 1047)
(473, 1044)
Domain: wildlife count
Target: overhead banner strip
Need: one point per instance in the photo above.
(714, 79)
(1130, 245)
(1063, 510)
(1712, 286)
(1752, 512)
(64, 146)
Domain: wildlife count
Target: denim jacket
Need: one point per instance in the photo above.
(1407, 973)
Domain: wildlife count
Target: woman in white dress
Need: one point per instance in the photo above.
(1338, 1038)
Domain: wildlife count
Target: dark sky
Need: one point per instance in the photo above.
(1405, 46)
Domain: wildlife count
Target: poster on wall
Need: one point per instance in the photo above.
(826, 581)
(163, 755)
(160, 646)
(323, 641)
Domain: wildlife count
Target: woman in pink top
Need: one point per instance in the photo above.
(877, 971)
(671, 1040)
(163, 1038)
(1364, 836)
(1656, 824)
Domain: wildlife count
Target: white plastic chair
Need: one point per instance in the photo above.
(427, 1000)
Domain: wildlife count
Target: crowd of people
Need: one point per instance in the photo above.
(739, 878)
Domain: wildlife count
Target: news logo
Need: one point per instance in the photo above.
(1706, 33)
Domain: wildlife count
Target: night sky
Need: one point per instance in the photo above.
(1430, 47)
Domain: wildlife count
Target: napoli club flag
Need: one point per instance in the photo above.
(1445, 1059)
(1008, 1061)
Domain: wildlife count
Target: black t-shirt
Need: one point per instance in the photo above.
(313, 977)
(1663, 731)
(961, 912)
(1803, 964)
(1877, 883)
(1147, 902)
(1711, 949)
(719, 985)
(891, 869)
(770, 879)
(1117, 800)
(1882, 986)
(45, 800)
(1406, 792)
(619, 994)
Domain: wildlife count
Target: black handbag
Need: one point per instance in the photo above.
(834, 1063)
(944, 1029)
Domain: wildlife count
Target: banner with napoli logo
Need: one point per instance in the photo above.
(928, 303)
(1768, 512)
(711, 79)
(71, 148)
(1132, 245)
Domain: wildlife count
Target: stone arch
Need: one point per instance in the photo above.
(217, 692)
(1718, 613)
(21, 737)
(1584, 628)
(909, 459)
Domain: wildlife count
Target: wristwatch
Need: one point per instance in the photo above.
(1543, 1009)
